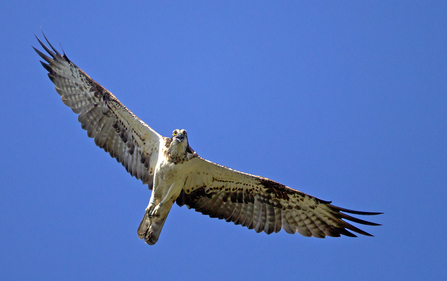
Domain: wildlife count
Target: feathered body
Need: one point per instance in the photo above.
(175, 173)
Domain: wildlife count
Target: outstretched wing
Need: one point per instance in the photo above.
(262, 204)
(114, 128)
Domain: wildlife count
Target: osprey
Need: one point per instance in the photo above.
(176, 173)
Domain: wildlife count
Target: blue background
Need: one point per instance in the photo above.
(344, 100)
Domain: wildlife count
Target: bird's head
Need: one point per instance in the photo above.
(180, 136)
(179, 142)
(178, 147)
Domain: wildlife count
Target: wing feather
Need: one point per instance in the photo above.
(286, 225)
(249, 216)
(113, 127)
(262, 204)
(235, 214)
(259, 217)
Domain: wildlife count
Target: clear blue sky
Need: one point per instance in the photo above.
(344, 100)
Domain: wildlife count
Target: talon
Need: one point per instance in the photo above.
(154, 213)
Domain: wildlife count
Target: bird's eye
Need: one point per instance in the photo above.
(174, 133)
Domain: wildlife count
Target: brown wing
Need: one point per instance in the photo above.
(114, 128)
(262, 204)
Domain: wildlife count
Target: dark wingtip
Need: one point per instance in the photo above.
(46, 66)
(341, 213)
(49, 44)
(353, 219)
(345, 232)
(356, 212)
(55, 55)
(51, 53)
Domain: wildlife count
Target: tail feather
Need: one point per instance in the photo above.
(150, 228)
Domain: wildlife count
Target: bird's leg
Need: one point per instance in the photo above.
(165, 204)
(150, 207)
(156, 214)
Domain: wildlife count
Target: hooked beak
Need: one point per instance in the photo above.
(180, 137)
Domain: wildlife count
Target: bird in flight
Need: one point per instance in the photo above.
(176, 173)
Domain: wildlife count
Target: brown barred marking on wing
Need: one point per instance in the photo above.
(114, 128)
(264, 205)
